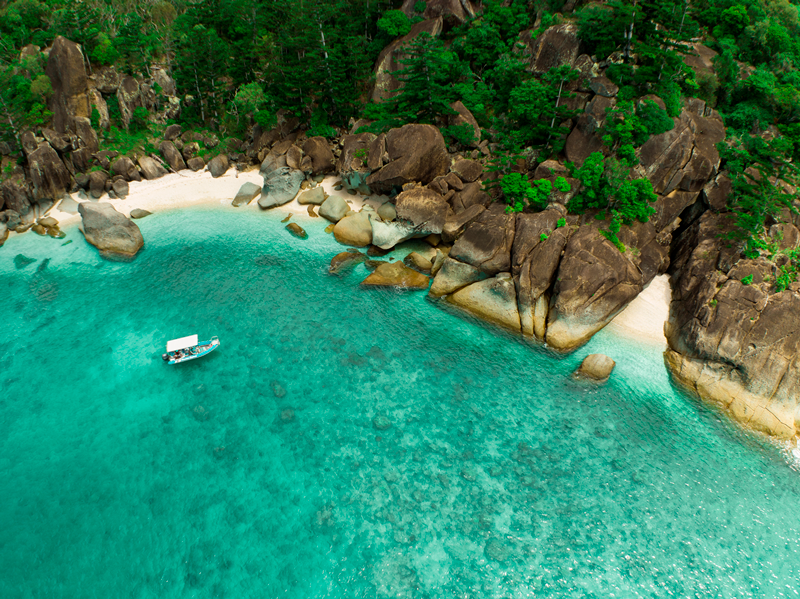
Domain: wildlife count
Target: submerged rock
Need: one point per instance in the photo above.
(138, 213)
(381, 423)
(596, 366)
(114, 234)
(21, 261)
(396, 274)
(297, 231)
(345, 260)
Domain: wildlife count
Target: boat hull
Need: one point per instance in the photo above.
(201, 349)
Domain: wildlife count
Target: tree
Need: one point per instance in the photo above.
(606, 186)
(537, 109)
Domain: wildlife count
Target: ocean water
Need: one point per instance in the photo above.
(347, 443)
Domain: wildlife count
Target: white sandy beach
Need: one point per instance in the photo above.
(187, 188)
(644, 317)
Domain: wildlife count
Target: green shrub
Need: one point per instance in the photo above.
(394, 23)
(747, 280)
(140, 119)
(519, 193)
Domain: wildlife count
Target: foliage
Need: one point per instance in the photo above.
(606, 186)
(755, 164)
(537, 109)
(519, 193)
(252, 104)
(788, 271)
(426, 94)
(140, 119)
(627, 128)
(747, 280)
(24, 89)
(394, 23)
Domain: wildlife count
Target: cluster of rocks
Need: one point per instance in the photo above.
(549, 276)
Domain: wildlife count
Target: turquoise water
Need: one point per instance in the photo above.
(267, 469)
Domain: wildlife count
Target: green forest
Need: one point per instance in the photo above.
(236, 63)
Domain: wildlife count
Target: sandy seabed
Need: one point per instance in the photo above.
(643, 319)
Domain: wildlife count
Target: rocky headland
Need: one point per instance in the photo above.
(550, 276)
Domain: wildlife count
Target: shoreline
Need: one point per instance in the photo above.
(188, 189)
(644, 318)
(641, 321)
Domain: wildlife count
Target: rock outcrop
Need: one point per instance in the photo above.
(115, 235)
(417, 153)
(389, 59)
(736, 345)
(595, 281)
(67, 72)
(48, 174)
(493, 300)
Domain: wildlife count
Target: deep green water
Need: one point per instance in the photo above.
(258, 471)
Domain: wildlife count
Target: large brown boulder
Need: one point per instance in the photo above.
(218, 166)
(397, 275)
(735, 345)
(322, 160)
(172, 155)
(150, 168)
(389, 59)
(417, 153)
(595, 281)
(97, 183)
(125, 167)
(486, 242)
(67, 72)
(535, 256)
(464, 117)
(423, 208)
(354, 230)
(115, 235)
(558, 45)
(49, 176)
(453, 12)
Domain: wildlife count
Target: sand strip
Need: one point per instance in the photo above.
(643, 319)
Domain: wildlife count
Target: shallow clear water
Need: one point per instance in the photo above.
(265, 469)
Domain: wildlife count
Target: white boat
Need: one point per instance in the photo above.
(188, 348)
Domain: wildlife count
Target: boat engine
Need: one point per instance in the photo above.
(165, 357)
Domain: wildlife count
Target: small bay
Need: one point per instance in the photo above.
(346, 442)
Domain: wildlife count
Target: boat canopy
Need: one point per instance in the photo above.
(182, 343)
